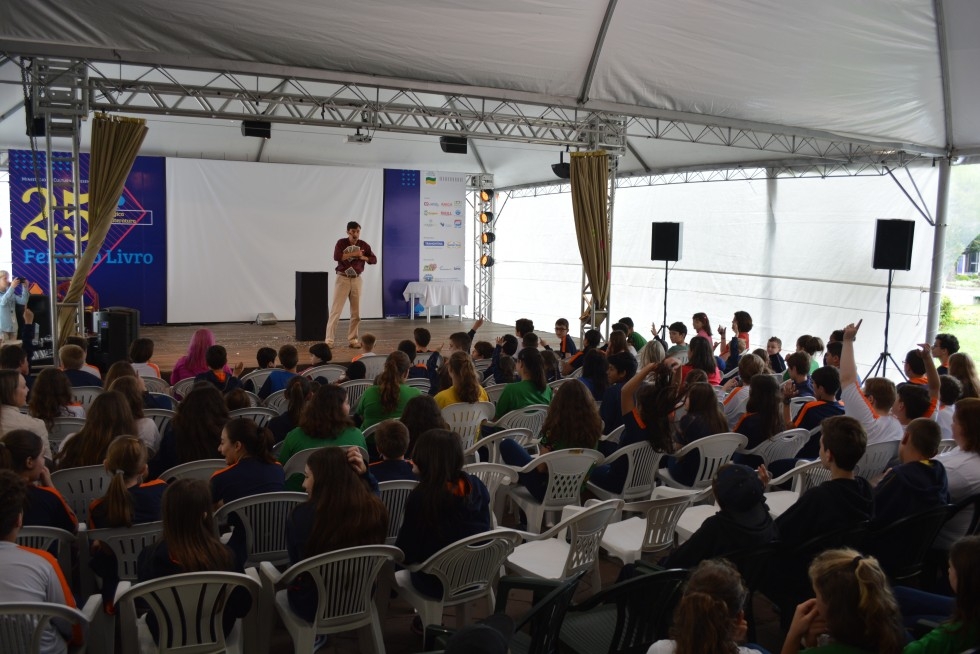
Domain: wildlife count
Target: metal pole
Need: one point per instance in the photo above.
(938, 247)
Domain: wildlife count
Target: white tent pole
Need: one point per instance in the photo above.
(938, 247)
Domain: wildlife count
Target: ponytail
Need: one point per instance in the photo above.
(16, 447)
(254, 439)
(467, 387)
(533, 367)
(297, 390)
(702, 625)
(125, 459)
(390, 380)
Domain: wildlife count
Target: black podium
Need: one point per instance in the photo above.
(311, 305)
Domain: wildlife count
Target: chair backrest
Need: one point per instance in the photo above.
(796, 403)
(715, 451)
(902, 546)
(163, 400)
(330, 371)
(257, 377)
(125, 542)
(482, 364)
(264, 519)
(85, 395)
(61, 428)
(296, 464)
(201, 469)
(494, 476)
(156, 385)
(876, 459)
(355, 389)
(44, 538)
(23, 624)
(783, 445)
(804, 476)
(529, 417)
(585, 530)
(467, 567)
(642, 464)
(260, 415)
(79, 486)
(494, 391)
(544, 619)
(575, 374)
(615, 434)
(189, 610)
(182, 388)
(373, 366)
(345, 581)
(558, 382)
(465, 419)
(393, 496)
(946, 445)
(420, 383)
(253, 399)
(567, 470)
(160, 417)
(662, 514)
(276, 402)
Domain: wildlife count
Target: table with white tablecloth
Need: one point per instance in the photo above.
(435, 294)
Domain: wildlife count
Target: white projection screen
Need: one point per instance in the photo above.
(238, 231)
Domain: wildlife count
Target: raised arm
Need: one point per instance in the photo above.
(848, 367)
(925, 351)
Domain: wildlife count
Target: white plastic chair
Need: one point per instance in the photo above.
(345, 581)
(156, 385)
(875, 459)
(373, 366)
(420, 383)
(465, 419)
(201, 469)
(642, 463)
(482, 364)
(355, 389)
(530, 417)
(492, 444)
(263, 518)
(296, 464)
(393, 496)
(945, 445)
(567, 470)
(783, 445)
(494, 476)
(253, 399)
(160, 417)
(42, 538)
(182, 388)
(257, 377)
(494, 391)
(575, 374)
(276, 402)
(85, 395)
(61, 428)
(466, 569)
(189, 610)
(614, 435)
(330, 371)
(260, 415)
(552, 555)
(79, 486)
(652, 532)
(714, 451)
(796, 404)
(24, 624)
(558, 382)
(125, 542)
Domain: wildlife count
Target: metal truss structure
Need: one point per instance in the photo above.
(482, 275)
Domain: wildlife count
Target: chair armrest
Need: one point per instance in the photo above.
(269, 572)
(93, 606)
(120, 589)
(618, 454)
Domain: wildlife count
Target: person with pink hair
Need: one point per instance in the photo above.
(193, 363)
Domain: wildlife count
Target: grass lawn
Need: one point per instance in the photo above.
(966, 327)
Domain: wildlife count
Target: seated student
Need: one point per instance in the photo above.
(132, 389)
(217, 359)
(832, 356)
(763, 417)
(506, 372)
(422, 339)
(277, 379)
(590, 341)
(368, 342)
(420, 415)
(552, 366)
(14, 357)
(530, 340)
(743, 521)
(343, 511)
(620, 369)
(532, 389)
(962, 630)
(190, 544)
(523, 326)
(702, 418)
(140, 352)
(251, 469)
(439, 379)
(842, 501)
(677, 334)
(387, 398)
(699, 356)
(265, 358)
(617, 341)
(915, 367)
(652, 352)
(949, 391)
(962, 367)
(595, 374)
(741, 326)
(127, 502)
(21, 452)
(82, 342)
(919, 482)
(31, 575)
(391, 437)
(764, 358)
(72, 360)
(855, 602)
(108, 417)
(710, 616)
(749, 366)
(872, 406)
(774, 347)
(356, 371)
(826, 385)
(636, 341)
(506, 345)
(417, 370)
(237, 399)
(962, 465)
(53, 398)
(465, 383)
(482, 351)
(797, 376)
(566, 346)
(194, 432)
(299, 390)
(320, 355)
(944, 347)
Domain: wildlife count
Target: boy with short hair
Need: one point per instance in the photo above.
(266, 357)
(530, 340)
(826, 384)
(320, 354)
(871, 406)
(632, 337)
(915, 368)
(798, 384)
(422, 339)
(566, 346)
(140, 352)
(944, 346)
(523, 326)
(278, 379)
(506, 345)
(216, 358)
(677, 333)
(919, 482)
(774, 347)
(391, 439)
(87, 367)
(832, 356)
(482, 350)
(367, 343)
(72, 359)
(592, 339)
(621, 368)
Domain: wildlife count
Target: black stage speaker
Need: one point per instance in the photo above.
(116, 327)
(40, 305)
(257, 128)
(666, 242)
(311, 305)
(453, 144)
(893, 245)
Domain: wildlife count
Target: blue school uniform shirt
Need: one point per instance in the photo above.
(250, 476)
(393, 470)
(147, 500)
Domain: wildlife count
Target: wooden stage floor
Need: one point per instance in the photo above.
(242, 340)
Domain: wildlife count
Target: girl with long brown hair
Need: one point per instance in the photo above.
(387, 398)
(108, 417)
(13, 397)
(195, 431)
(21, 451)
(420, 415)
(343, 511)
(466, 385)
(133, 389)
(531, 389)
(961, 366)
(247, 449)
(299, 390)
(52, 397)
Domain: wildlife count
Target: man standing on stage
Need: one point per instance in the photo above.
(351, 254)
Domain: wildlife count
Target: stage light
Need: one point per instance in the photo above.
(486, 217)
(453, 144)
(486, 194)
(487, 238)
(258, 128)
(486, 261)
(561, 169)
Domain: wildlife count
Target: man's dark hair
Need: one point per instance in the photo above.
(353, 225)
(915, 363)
(408, 347)
(13, 494)
(948, 342)
(530, 339)
(11, 356)
(321, 351)
(950, 389)
(524, 326)
(422, 336)
(845, 438)
(288, 356)
(678, 327)
(627, 321)
(216, 357)
(266, 356)
(592, 338)
(828, 378)
(916, 399)
(509, 346)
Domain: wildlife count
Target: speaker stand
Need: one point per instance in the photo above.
(881, 364)
(663, 325)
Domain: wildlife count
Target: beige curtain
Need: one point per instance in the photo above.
(589, 180)
(116, 141)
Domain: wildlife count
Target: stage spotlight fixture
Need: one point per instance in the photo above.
(486, 261)
(487, 237)
(562, 169)
(258, 128)
(486, 194)
(453, 144)
(486, 217)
